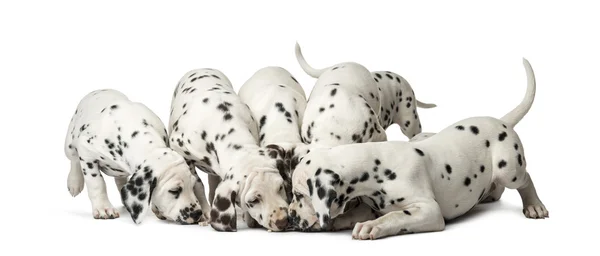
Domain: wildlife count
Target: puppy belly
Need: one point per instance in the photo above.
(458, 189)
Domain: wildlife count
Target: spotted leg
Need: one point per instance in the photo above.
(96, 187)
(424, 216)
(532, 205)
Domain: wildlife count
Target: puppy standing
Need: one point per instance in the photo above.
(343, 106)
(214, 130)
(110, 134)
(277, 103)
(417, 185)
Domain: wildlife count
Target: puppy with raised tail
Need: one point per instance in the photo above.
(215, 131)
(388, 94)
(123, 139)
(418, 185)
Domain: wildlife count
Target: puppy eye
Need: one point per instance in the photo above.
(280, 188)
(254, 201)
(176, 191)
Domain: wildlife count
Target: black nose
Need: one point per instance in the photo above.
(293, 213)
(281, 223)
(196, 215)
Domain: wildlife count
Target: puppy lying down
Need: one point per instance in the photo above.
(417, 185)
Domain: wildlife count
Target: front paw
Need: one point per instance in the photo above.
(535, 211)
(106, 211)
(366, 230)
(204, 220)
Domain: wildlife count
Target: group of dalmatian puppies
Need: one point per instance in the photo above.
(285, 162)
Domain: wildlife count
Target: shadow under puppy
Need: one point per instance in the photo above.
(416, 186)
(112, 135)
(215, 131)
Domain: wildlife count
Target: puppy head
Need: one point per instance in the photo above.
(260, 193)
(316, 201)
(302, 213)
(165, 180)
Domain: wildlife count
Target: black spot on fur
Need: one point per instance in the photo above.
(502, 136)
(349, 190)
(222, 203)
(502, 164)
(460, 127)
(310, 186)
(321, 193)
(407, 212)
(364, 177)
(474, 130)
(448, 168)
(482, 168)
(467, 181)
(520, 160)
(419, 152)
(333, 92)
(487, 143)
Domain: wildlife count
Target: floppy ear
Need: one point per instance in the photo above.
(223, 216)
(136, 195)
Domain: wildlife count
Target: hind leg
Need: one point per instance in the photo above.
(532, 205)
(424, 216)
(75, 181)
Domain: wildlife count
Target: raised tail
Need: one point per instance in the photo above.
(425, 105)
(307, 68)
(513, 117)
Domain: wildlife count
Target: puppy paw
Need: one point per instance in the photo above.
(107, 212)
(74, 185)
(368, 230)
(204, 219)
(535, 211)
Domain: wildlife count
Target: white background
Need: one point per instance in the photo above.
(463, 56)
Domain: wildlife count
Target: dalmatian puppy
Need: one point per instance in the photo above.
(214, 130)
(343, 106)
(390, 96)
(123, 139)
(398, 103)
(418, 185)
(277, 101)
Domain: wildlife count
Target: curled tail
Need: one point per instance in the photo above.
(425, 105)
(513, 117)
(307, 68)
